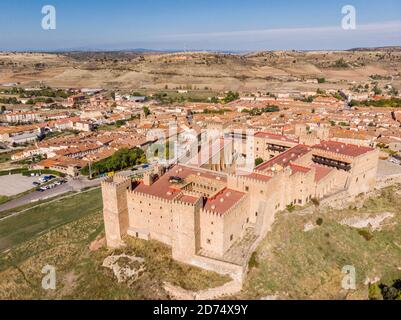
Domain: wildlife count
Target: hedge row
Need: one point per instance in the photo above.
(27, 172)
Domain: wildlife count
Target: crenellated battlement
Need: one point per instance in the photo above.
(249, 179)
(115, 182)
(150, 197)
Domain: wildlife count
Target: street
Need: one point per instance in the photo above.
(72, 185)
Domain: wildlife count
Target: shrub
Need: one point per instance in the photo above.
(319, 221)
(290, 207)
(366, 234)
(253, 261)
(375, 292)
(258, 161)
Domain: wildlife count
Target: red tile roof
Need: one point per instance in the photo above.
(297, 168)
(321, 171)
(223, 201)
(188, 199)
(350, 150)
(269, 135)
(285, 158)
(163, 188)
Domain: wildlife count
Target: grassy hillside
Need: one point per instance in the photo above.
(60, 234)
(294, 264)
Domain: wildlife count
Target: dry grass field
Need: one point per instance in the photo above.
(60, 235)
(301, 258)
(292, 263)
(247, 72)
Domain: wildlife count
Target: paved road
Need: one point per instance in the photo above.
(71, 185)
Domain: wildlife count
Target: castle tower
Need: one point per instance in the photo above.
(312, 135)
(115, 210)
(186, 236)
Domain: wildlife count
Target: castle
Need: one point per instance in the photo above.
(211, 217)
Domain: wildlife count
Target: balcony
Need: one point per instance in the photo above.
(276, 148)
(332, 163)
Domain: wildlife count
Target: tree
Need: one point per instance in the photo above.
(146, 111)
(120, 123)
(321, 80)
(258, 161)
(377, 91)
(214, 100)
(121, 159)
(231, 96)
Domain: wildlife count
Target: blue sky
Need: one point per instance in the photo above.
(199, 25)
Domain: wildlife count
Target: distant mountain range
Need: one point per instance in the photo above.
(145, 50)
(392, 48)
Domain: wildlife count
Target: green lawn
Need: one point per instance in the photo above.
(33, 222)
(30, 204)
(4, 199)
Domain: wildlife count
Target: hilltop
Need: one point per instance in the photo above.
(287, 70)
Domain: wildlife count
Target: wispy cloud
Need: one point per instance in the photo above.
(326, 37)
(390, 26)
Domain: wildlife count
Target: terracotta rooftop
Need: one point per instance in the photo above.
(188, 199)
(321, 171)
(269, 135)
(285, 158)
(223, 201)
(163, 188)
(297, 168)
(349, 150)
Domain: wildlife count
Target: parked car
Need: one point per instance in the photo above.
(35, 183)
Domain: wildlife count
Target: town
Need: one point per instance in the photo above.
(202, 171)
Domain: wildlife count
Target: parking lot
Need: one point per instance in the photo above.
(387, 168)
(11, 185)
